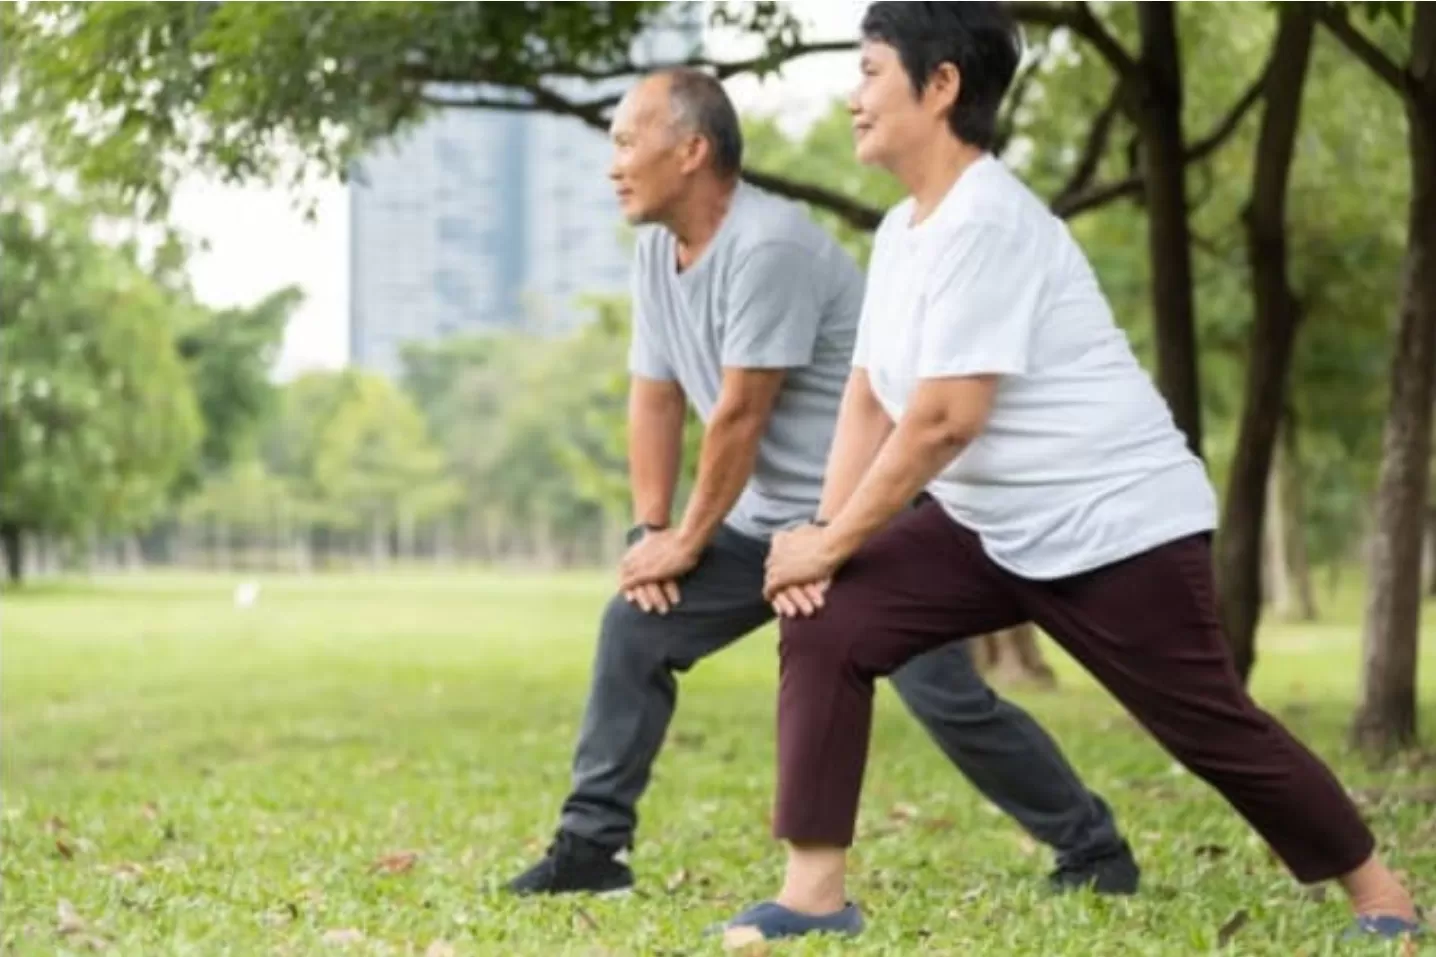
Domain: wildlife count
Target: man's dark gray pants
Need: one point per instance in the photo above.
(995, 744)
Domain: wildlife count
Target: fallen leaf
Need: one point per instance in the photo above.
(64, 849)
(1228, 930)
(400, 863)
(746, 940)
(1210, 851)
(587, 919)
(679, 878)
(347, 935)
(127, 871)
(55, 825)
(440, 948)
(1027, 845)
(91, 942)
(938, 824)
(150, 811)
(688, 739)
(68, 920)
(903, 812)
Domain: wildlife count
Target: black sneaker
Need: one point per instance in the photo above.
(1115, 873)
(574, 865)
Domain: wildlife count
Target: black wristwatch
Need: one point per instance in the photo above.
(636, 533)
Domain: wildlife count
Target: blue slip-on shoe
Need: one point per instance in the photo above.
(772, 921)
(1385, 926)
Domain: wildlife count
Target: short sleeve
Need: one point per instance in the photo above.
(646, 358)
(773, 309)
(980, 304)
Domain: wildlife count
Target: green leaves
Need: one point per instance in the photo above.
(97, 416)
(136, 93)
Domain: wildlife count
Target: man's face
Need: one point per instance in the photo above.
(889, 120)
(651, 160)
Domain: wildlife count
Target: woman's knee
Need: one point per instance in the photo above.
(827, 639)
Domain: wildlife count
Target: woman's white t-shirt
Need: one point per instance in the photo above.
(1080, 464)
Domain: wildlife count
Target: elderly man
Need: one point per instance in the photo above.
(747, 309)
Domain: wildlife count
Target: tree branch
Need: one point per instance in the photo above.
(1336, 21)
(1092, 152)
(857, 214)
(1229, 123)
(1079, 18)
(1068, 205)
(721, 68)
(1015, 100)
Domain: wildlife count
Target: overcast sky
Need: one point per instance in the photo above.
(259, 241)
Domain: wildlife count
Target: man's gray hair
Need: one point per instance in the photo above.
(701, 105)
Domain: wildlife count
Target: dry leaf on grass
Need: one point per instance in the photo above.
(1026, 845)
(903, 813)
(344, 936)
(440, 948)
(150, 811)
(55, 825)
(399, 863)
(747, 941)
(127, 871)
(587, 919)
(679, 878)
(64, 849)
(1229, 930)
(68, 920)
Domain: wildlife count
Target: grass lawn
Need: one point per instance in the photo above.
(355, 764)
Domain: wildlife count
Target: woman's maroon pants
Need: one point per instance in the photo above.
(1145, 627)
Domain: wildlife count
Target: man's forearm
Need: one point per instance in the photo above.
(655, 450)
(730, 450)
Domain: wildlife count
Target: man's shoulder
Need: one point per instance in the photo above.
(766, 221)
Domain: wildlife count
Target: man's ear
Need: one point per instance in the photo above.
(695, 152)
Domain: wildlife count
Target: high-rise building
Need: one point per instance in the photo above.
(482, 220)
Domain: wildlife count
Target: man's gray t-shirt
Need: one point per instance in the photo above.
(771, 290)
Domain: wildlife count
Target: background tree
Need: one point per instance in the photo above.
(97, 413)
(1386, 718)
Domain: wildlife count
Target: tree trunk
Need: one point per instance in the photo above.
(378, 543)
(1431, 550)
(1013, 657)
(1158, 114)
(1290, 569)
(14, 545)
(1273, 336)
(1386, 718)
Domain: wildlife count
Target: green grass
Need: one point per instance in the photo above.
(198, 779)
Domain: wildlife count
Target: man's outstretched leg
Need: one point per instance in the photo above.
(631, 702)
(1018, 767)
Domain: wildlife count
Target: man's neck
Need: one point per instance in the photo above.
(930, 174)
(697, 218)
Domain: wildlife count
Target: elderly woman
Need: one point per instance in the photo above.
(989, 372)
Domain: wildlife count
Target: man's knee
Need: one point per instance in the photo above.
(628, 634)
